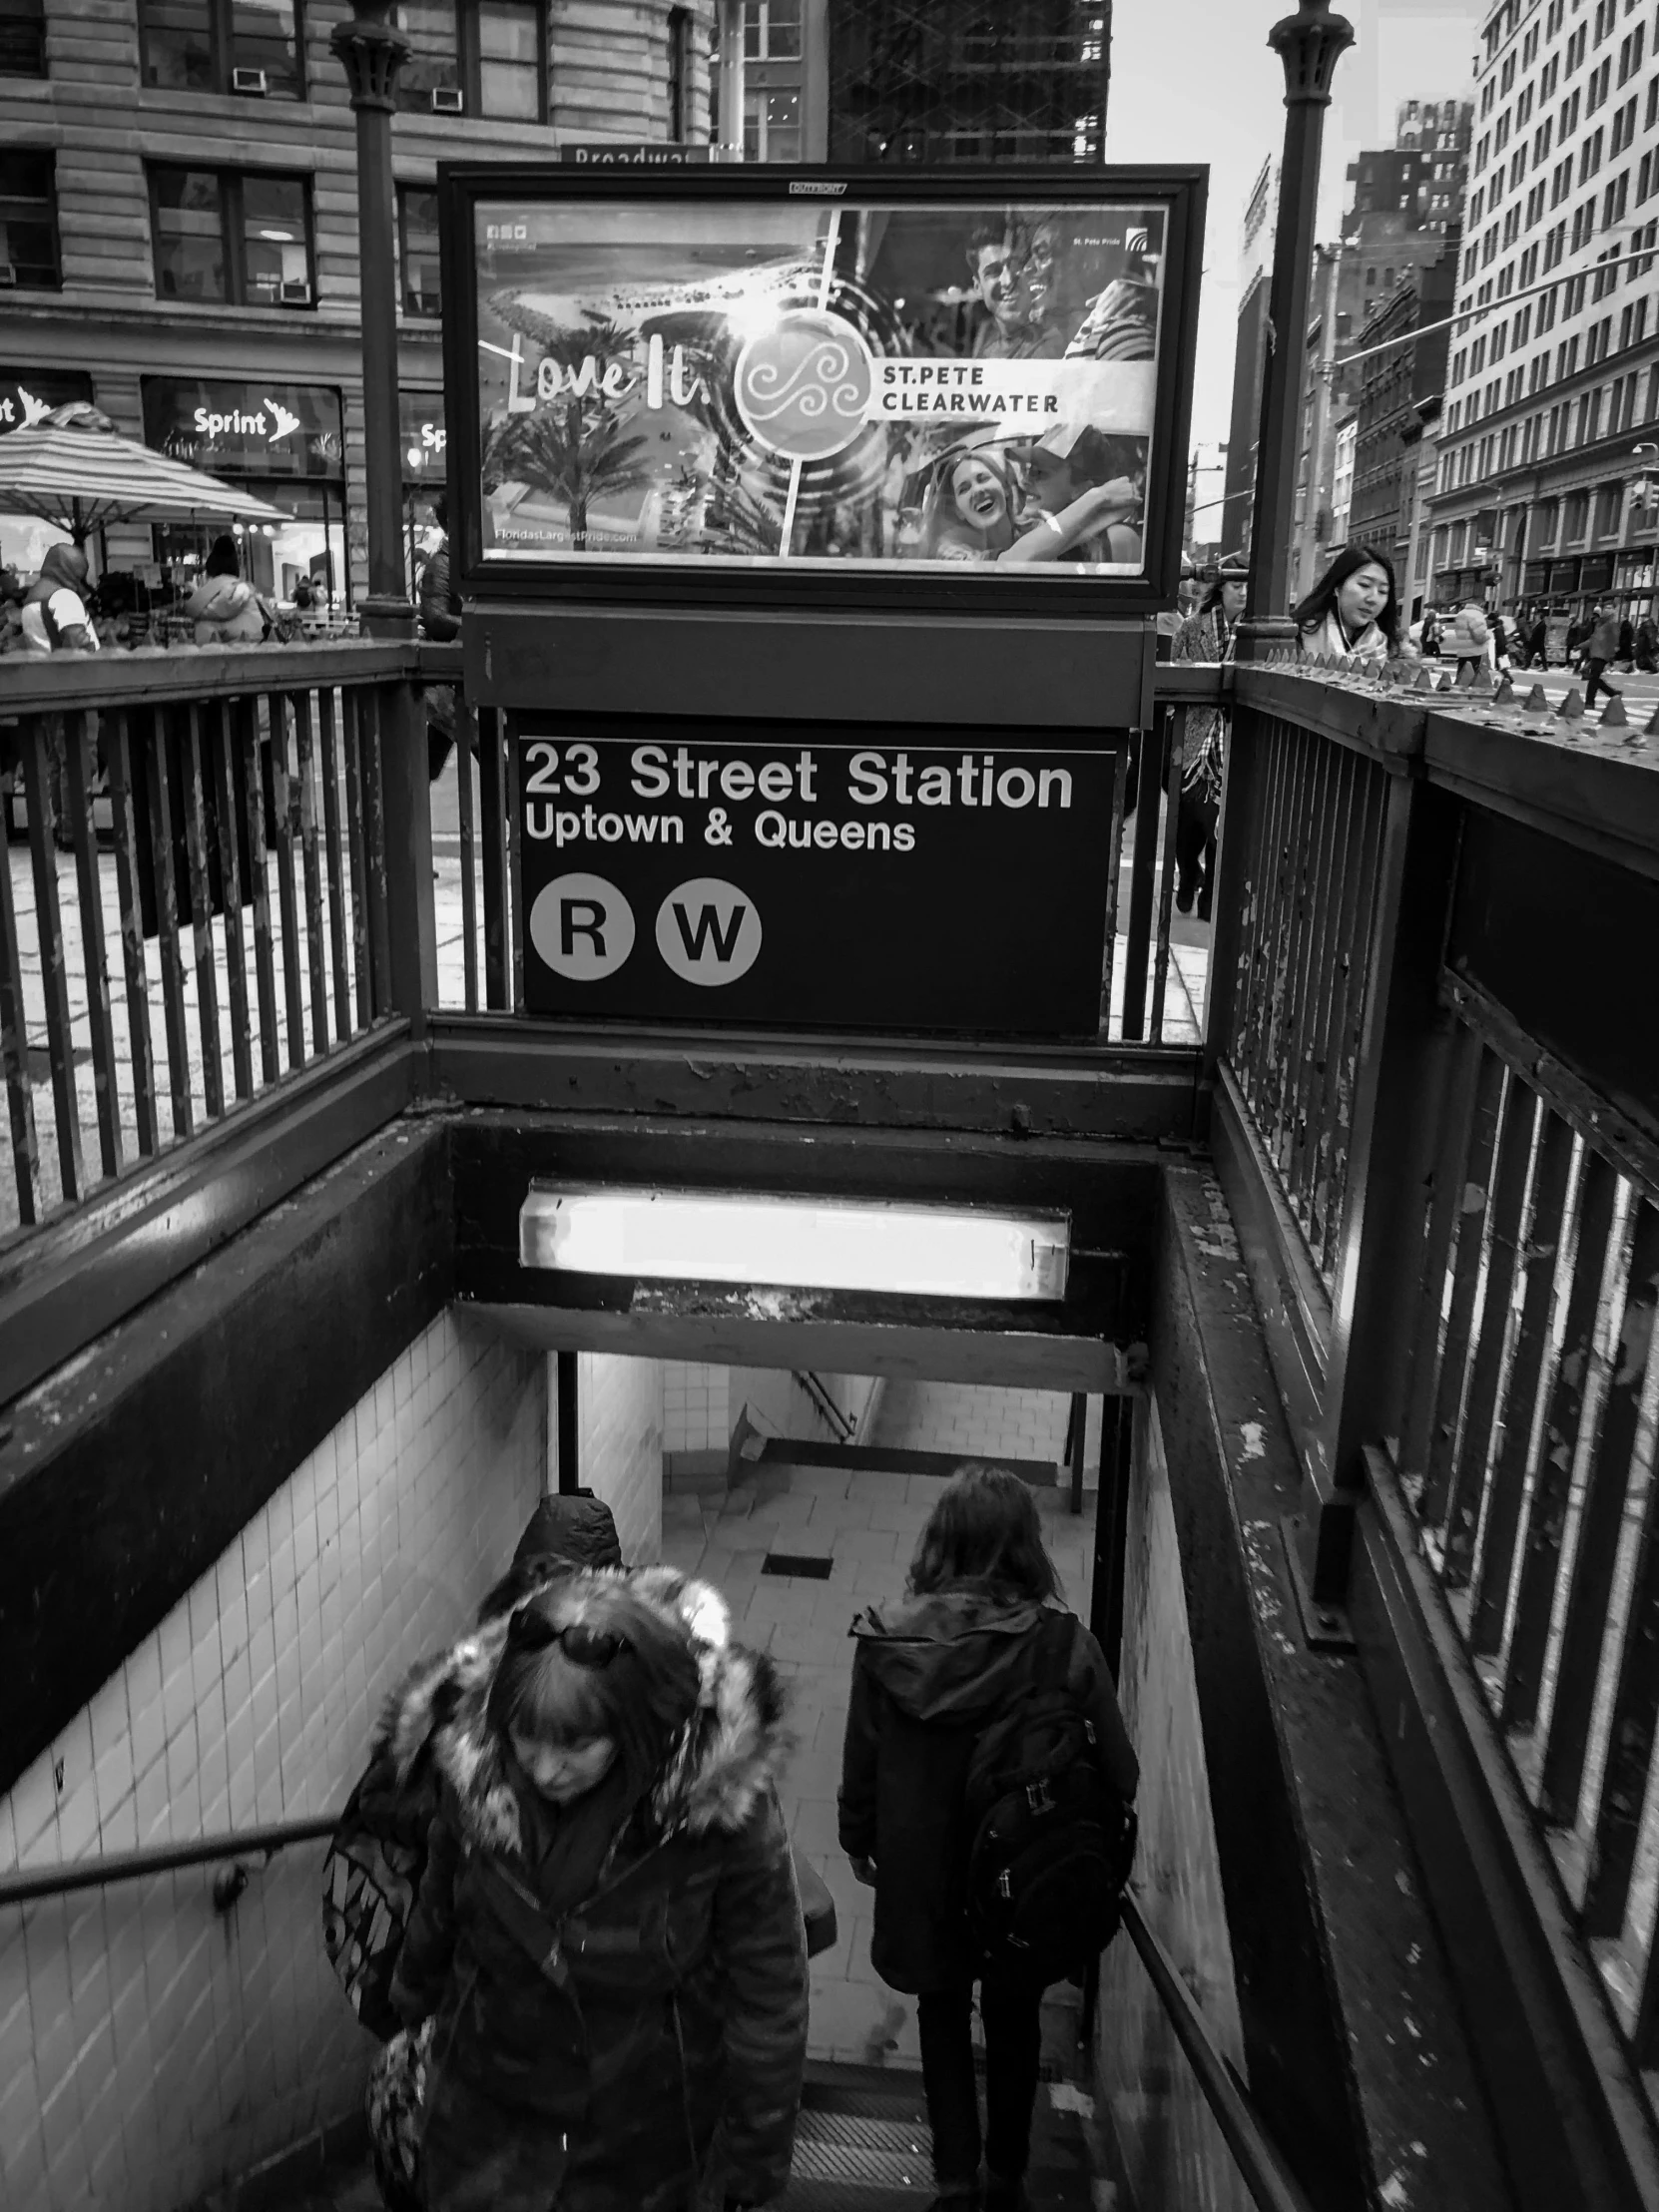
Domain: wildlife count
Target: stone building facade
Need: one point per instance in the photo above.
(179, 223)
(1553, 390)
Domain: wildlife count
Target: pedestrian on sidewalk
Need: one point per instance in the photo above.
(978, 1634)
(1601, 647)
(439, 622)
(57, 619)
(1207, 636)
(1353, 612)
(1472, 638)
(608, 1940)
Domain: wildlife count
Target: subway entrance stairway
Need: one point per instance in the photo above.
(861, 2146)
(844, 1518)
(1366, 1279)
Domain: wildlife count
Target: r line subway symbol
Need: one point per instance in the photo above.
(707, 931)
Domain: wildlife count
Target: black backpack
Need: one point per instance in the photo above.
(1050, 1841)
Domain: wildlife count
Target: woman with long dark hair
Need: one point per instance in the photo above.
(1353, 612)
(980, 1630)
(606, 1958)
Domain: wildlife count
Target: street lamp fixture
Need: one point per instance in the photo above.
(1309, 44)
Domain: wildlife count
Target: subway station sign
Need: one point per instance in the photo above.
(857, 880)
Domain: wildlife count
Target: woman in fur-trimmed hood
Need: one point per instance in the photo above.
(608, 1939)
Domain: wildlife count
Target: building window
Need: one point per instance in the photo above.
(22, 38)
(417, 249)
(29, 222)
(772, 33)
(255, 47)
(474, 57)
(679, 74)
(1576, 517)
(239, 236)
(771, 126)
(1608, 502)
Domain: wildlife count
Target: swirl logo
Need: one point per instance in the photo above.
(803, 384)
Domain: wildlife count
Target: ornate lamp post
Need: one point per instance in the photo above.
(373, 50)
(1310, 44)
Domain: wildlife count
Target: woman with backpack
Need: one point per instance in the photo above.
(607, 1942)
(979, 1675)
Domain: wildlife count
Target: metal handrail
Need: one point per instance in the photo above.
(1260, 2165)
(826, 1404)
(1261, 2169)
(134, 1865)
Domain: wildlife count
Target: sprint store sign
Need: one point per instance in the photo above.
(855, 881)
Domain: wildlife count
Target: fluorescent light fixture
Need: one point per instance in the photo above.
(818, 1243)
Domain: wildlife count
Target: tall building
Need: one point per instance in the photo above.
(1405, 197)
(1250, 356)
(179, 224)
(1554, 378)
(1342, 480)
(968, 79)
(1402, 383)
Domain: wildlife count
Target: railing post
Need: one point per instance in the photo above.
(1310, 44)
(1231, 888)
(372, 50)
(411, 980)
(1400, 1074)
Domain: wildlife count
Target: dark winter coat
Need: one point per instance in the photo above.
(926, 1681)
(1602, 643)
(670, 2033)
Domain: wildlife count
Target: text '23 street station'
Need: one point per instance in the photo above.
(836, 881)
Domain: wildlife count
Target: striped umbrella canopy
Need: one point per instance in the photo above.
(73, 468)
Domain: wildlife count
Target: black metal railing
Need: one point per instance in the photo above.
(194, 894)
(1311, 832)
(1527, 1456)
(1454, 1228)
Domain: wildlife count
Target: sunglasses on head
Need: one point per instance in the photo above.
(582, 1645)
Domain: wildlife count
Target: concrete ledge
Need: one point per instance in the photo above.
(1355, 2043)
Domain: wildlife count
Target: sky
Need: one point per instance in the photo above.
(1196, 81)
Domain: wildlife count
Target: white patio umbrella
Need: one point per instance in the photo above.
(74, 469)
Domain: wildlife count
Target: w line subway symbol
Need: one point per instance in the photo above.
(707, 931)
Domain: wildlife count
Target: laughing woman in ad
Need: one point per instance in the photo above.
(972, 515)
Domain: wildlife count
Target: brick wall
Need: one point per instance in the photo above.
(148, 2047)
(620, 1444)
(1171, 2147)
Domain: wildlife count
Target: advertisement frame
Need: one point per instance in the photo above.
(629, 582)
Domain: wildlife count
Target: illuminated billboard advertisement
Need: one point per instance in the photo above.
(770, 374)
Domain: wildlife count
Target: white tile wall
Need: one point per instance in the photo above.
(777, 1404)
(1168, 2139)
(695, 1407)
(981, 1421)
(620, 1428)
(148, 2047)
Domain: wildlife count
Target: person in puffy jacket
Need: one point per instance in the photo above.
(608, 1939)
(961, 1651)
(1471, 637)
(226, 611)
